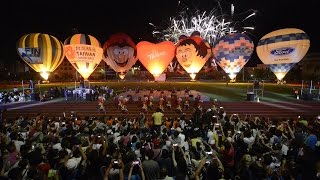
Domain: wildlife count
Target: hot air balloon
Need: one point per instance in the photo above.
(42, 52)
(120, 53)
(232, 52)
(192, 53)
(84, 52)
(282, 49)
(155, 57)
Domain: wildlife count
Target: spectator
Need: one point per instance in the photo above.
(150, 167)
(157, 120)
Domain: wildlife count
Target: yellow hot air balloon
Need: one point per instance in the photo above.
(282, 49)
(84, 52)
(192, 53)
(42, 52)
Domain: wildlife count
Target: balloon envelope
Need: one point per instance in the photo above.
(42, 52)
(232, 52)
(192, 53)
(282, 49)
(280, 70)
(84, 52)
(155, 57)
(120, 53)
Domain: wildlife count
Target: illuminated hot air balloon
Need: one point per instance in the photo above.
(42, 52)
(232, 52)
(84, 52)
(192, 53)
(120, 53)
(282, 49)
(155, 57)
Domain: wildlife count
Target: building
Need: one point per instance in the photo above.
(310, 66)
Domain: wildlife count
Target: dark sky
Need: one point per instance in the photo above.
(104, 17)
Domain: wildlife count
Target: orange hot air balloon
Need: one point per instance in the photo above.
(84, 52)
(155, 57)
(120, 53)
(42, 52)
(192, 53)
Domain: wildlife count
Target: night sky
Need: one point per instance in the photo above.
(103, 18)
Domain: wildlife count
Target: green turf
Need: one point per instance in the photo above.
(215, 90)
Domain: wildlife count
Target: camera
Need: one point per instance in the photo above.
(116, 164)
(135, 162)
(209, 153)
(175, 145)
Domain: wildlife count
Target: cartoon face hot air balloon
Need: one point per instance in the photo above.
(155, 57)
(120, 53)
(282, 49)
(84, 52)
(192, 53)
(42, 52)
(232, 52)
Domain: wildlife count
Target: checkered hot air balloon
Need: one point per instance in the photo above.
(232, 52)
(42, 52)
(119, 52)
(282, 49)
(84, 52)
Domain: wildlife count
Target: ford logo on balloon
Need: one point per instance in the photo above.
(282, 51)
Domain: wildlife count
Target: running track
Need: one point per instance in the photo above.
(277, 110)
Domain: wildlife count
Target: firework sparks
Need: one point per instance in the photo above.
(211, 25)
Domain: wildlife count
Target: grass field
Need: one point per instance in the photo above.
(215, 90)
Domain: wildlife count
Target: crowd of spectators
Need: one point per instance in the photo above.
(213, 144)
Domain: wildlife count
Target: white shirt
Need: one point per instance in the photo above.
(211, 138)
(73, 163)
(249, 141)
(18, 144)
(57, 146)
(182, 138)
(284, 150)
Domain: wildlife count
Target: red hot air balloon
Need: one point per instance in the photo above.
(155, 57)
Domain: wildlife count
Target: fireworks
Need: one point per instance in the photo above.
(211, 25)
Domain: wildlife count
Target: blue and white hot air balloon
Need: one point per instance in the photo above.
(232, 52)
(282, 49)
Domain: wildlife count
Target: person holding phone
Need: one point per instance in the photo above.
(138, 164)
(114, 165)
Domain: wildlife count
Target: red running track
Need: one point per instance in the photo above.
(278, 110)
